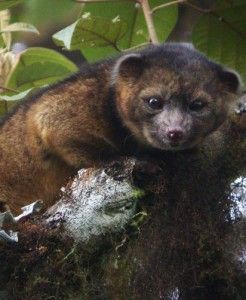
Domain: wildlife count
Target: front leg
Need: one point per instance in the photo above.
(145, 171)
(80, 154)
(77, 143)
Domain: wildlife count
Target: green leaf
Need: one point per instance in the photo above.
(124, 11)
(64, 37)
(222, 36)
(15, 96)
(222, 4)
(106, 28)
(138, 193)
(4, 4)
(43, 13)
(37, 67)
(164, 22)
(20, 26)
(91, 31)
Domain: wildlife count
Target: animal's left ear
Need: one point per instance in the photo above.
(231, 80)
(129, 67)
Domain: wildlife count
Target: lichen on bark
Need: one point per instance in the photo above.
(179, 240)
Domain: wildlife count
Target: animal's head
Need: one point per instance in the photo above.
(171, 96)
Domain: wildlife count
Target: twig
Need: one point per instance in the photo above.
(149, 21)
(166, 5)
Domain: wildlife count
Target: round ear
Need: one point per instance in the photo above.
(231, 79)
(129, 67)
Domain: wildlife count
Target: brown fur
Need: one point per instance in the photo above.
(41, 147)
(81, 123)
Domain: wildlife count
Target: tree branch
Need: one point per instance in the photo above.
(149, 21)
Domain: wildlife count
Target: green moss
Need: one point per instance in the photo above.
(138, 193)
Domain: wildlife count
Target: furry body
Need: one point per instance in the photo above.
(104, 111)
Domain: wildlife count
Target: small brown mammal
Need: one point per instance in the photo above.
(167, 97)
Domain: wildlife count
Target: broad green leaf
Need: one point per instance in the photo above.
(115, 26)
(37, 67)
(20, 26)
(15, 96)
(4, 4)
(91, 31)
(131, 13)
(9, 99)
(222, 4)
(64, 37)
(164, 22)
(123, 11)
(43, 13)
(222, 36)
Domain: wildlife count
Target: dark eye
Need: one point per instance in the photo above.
(197, 105)
(154, 103)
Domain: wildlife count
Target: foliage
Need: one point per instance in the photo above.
(183, 240)
(101, 31)
(221, 35)
(37, 67)
(4, 4)
(106, 28)
(45, 12)
(186, 217)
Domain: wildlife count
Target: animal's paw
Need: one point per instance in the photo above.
(146, 172)
(147, 166)
(120, 168)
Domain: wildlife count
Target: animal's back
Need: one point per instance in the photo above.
(39, 138)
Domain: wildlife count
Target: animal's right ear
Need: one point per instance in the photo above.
(129, 67)
(232, 80)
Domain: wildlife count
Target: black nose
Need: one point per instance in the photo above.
(175, 135)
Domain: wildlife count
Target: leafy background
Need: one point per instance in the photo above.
(98, 30)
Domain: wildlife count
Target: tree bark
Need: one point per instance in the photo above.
(179, 240)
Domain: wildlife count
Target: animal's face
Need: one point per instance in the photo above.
(172, 98)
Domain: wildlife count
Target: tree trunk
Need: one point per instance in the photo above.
(182, 240)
